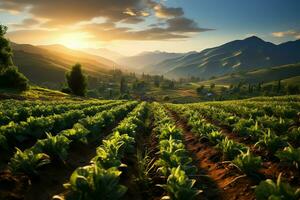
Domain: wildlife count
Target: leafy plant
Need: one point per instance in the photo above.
(268, 190)
(169, 130)
(55, 146)
(110, 153)
(230, 148)
(145, 164)
(27, 162)
(215, 137)
(248, 163)
(290, 154)
(241, 127)
(271, 141)
(172, 154)
(93, 182)
(77, 133)
(179, 186)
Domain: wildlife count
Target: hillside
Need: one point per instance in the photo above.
(236, 56)
(286, 73)
(143, 60)
(106, 53)
(46, 65)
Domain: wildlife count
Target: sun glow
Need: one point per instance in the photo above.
(74, 40)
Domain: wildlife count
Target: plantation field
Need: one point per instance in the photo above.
(116, 149)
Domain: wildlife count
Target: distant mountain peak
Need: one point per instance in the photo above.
(254, 38)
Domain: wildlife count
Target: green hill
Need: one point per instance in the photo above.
(46, 65)
(286, 73)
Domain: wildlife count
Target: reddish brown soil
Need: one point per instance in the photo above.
(222, 180)
(12, 187)
(271, 167)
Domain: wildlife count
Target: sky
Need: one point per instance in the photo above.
(133, 26)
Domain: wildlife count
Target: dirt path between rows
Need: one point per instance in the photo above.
(271, 166)
(220, 180)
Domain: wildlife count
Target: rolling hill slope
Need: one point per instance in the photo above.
(286, 73)
(236, 56)
(46, 65)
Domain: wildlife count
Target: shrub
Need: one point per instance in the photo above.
(12, 78)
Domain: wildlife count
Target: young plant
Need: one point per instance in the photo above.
(110, 153)
(271, 142)
(215, 137)
(93, 182)
(291, 155)
(230, 148)
(179, 186)
(27, 162)
(77, 133)
(170, 130)
(268, 190)
(144, 167)
(55, 146)
(248, 163)
(172, 154)
(241, 127)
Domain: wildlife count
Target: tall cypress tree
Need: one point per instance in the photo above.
(77, 80)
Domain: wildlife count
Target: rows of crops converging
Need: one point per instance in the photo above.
(113, 149)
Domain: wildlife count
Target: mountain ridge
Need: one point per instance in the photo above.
(238, 55)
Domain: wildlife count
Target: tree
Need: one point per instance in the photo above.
(279, 86)
(123, 85)
(77, 80)
(200, 89)
(5, 50)
(10, 77)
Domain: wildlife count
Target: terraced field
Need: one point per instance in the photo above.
(107, 149)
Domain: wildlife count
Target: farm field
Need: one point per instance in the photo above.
(119, 149)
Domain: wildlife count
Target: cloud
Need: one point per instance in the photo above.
(289, 33)
(176, 28)
(184, 25)
(27, 23)
(162, 11)
(73, 11)
(171, 22)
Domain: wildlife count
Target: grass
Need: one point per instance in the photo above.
(36, 93)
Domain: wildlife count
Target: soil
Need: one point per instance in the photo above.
(219, 180)
(12, 187)
(271, 167)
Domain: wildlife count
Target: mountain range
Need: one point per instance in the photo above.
(237, 56)
(143, 60)
(252, 56)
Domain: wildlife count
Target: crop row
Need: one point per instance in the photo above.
(101, 178)
(174, 161)
(16, 112)
(270, 128)
(238, 154)
(55, 148)
(254, 109)
(35, 127)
